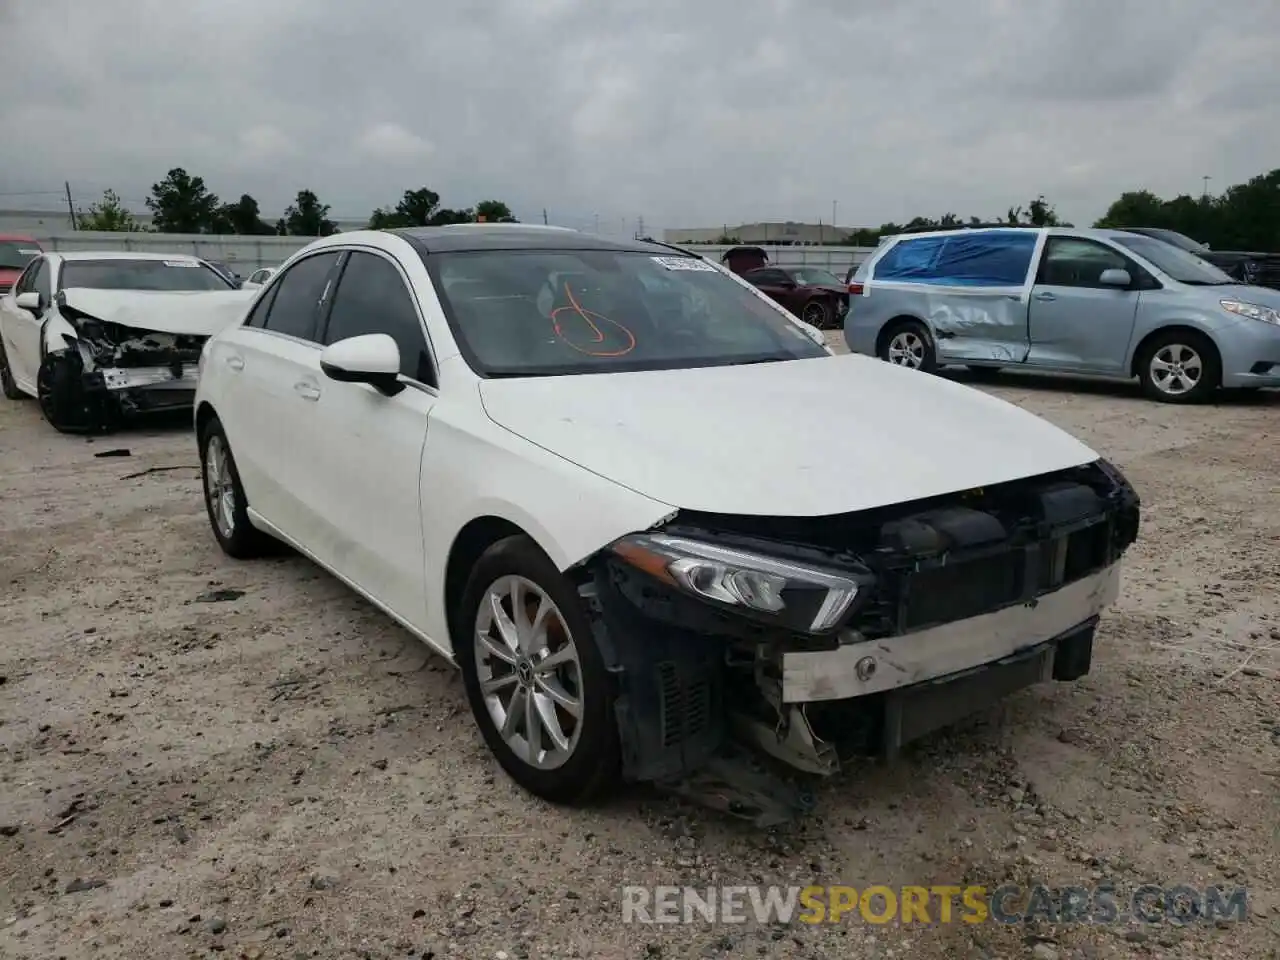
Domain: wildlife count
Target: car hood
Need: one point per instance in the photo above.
(189, 312)
(796, 438)
(1210, 296)
(828, 288)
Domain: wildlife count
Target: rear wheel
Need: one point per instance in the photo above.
(908, 343)
(535, 679)
(1180, 366)
(7, 383)
(224, 498)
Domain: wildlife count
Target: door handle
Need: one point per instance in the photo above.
(307, 391)
(1046, 297)
(235, 363)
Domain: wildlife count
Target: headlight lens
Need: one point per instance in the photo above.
(803, 597)
(1252, 311)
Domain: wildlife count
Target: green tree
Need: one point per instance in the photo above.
(243, 217)
(445, 216)
(108, 214)
(494, 211)
(308, 217)
(181, 203)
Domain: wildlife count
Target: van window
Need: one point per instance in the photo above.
(990, 258)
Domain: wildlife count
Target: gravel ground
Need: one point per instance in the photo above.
(205, 758)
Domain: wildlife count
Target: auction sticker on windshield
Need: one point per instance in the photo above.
(684, 263)
(180, 263)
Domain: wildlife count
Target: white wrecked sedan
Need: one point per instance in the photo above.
(588, 473)
(100, 337)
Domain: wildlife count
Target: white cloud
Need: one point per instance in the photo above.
(680, 112)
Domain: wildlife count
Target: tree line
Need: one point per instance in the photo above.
(182, 203)
(1245, 216)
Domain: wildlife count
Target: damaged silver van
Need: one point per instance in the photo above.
(100, 337)
(1062, 300)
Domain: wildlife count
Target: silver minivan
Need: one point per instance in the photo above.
(1065, 300)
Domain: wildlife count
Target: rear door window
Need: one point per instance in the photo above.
(298, 293)
(998, 258)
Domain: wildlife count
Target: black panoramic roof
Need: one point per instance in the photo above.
(466, 237)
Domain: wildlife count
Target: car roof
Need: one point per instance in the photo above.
(1086, 233)
(462, 237)
(71, 255)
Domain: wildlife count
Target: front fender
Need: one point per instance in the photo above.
(569, 511)
(56, 333)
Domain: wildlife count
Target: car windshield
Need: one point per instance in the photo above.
(153, 275)
(813, 276)
(1179, 264)
(527, 313)
(16, 254)
(1179, 240)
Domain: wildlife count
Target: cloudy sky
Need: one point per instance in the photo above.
(683, 112)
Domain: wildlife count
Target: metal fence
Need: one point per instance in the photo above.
(246, 254)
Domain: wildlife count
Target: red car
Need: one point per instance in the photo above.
(814, 295)
(16, 252)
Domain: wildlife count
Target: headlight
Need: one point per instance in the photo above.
(802, 597)
(1253, 311)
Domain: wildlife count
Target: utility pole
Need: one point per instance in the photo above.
(1205, 195)
(71, 207)
(639, 227)
(834, 203)
(544, 216)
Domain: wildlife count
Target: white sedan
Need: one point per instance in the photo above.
(99, 337)
(258, 278)
(589, 474)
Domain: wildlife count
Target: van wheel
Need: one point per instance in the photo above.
(1180, 366)
(536, 681)
(908, 343)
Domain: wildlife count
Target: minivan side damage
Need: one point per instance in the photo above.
(748, 665)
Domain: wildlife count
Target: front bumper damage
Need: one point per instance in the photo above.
(973, 597)
(109, 373)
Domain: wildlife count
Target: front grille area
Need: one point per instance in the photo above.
(685, 705)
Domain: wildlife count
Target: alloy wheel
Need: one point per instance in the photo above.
(1176, 369)
(529, 671)
(907, 349)
(220, 487)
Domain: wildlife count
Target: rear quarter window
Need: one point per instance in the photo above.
(988, 259)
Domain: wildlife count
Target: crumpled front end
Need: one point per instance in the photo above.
(106, 372)
(752, 650)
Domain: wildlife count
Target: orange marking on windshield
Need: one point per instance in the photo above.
(597, 335)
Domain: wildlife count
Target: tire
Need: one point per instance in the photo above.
(224, 498)
(1187, 351)
(7, 384)
(816, 313)
(588, 767)
(60, 392)
(908, 343)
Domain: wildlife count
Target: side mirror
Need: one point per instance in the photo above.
(1116, 278)
(372, 358)
(29, 301)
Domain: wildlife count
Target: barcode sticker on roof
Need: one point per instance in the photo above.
(29, 251)
(181, 263)
(684, 263)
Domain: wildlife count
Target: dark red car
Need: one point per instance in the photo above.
(16, 252)
(814, 295)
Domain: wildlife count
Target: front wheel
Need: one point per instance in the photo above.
(1179, 367)
(908, 343)
(536, 681)
(61, 394)
(816, 313)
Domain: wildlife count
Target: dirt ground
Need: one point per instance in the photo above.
(278, 770)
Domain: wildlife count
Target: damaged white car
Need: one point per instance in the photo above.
(98, 338)
(588, 473)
